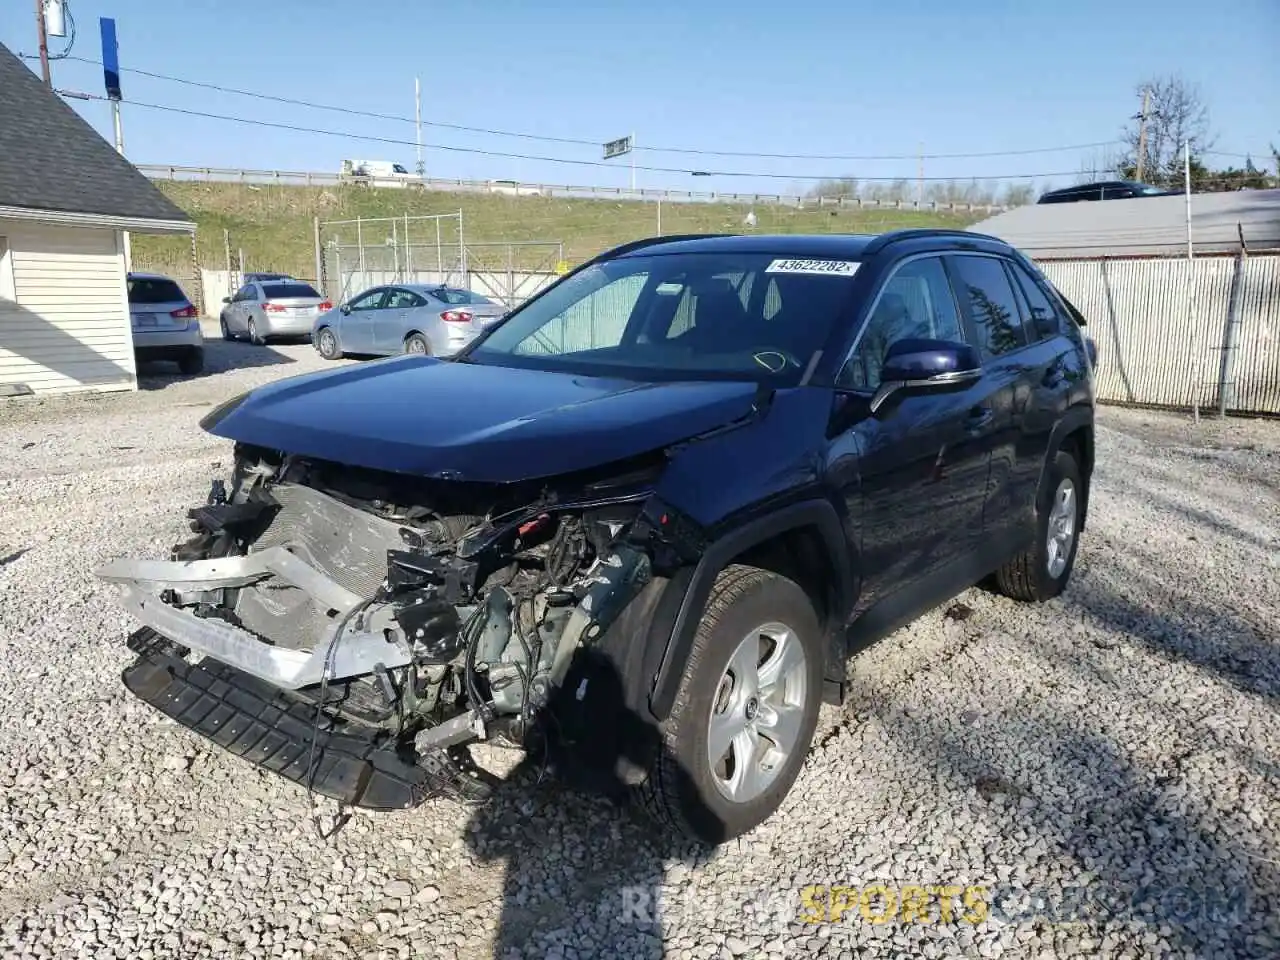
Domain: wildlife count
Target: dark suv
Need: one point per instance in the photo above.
(637, 526)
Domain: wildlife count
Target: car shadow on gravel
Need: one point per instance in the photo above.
(1225, 643)
(219, 357)
(1135, 860)
(583, 868)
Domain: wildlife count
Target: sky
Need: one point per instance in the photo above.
(831, 78)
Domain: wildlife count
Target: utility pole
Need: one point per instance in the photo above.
(1186, 173)
(633, 162)
(417, 119)
(1142, 133)
(920, 179)
(44, 44)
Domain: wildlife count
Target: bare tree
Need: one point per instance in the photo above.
(1018, 194)
(1103, 164)
(843, 187)
(1176, 114)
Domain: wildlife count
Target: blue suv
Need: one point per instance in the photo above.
(639, 524)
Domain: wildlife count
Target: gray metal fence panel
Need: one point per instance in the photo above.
(1257, 358)
(1159, 325)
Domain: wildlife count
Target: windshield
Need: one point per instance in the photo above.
(679, 317)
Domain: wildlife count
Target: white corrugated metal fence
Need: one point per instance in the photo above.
(1168, 335)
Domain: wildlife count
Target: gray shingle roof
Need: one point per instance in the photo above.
(1144, 226)
(51, 159)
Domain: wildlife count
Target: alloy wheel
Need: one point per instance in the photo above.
(757, 712)
(1062, 528)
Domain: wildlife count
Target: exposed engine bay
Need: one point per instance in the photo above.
(413, 614)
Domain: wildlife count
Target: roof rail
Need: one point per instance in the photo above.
(651, 241)
(913, 233)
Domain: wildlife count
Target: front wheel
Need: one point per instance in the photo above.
(745, 713)
(1041, 571)
(226, 330)
(327, 344)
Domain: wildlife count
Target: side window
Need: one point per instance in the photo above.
(399, 300)
(992, 304)
(915, 302)
(368, 301)
(1043, 318)
(596, 321)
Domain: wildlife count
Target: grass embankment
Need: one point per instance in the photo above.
(273, 225)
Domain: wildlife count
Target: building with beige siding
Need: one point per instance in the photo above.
(68, 201)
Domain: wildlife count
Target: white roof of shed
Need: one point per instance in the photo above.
(1142, 226)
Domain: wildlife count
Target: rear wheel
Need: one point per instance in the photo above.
(416, 343)
(327, 344)
(1041, 571)
(745, 713)
(253, 333)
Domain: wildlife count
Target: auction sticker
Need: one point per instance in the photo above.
(840, 268)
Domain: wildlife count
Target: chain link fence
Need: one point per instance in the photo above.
(354, 255)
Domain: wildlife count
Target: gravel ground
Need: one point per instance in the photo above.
(1106, 767)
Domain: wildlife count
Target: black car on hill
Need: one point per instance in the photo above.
(1105, 190)
(640, 523)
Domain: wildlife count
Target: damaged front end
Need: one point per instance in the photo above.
(347, 628)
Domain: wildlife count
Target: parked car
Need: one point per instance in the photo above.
(264, 309)
(404, 318)
(165, 323)
(641, 521)
(1108, 190)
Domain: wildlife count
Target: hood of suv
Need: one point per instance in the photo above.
(462, 421)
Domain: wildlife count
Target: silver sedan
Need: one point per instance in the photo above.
(271, 308)
(404, 318)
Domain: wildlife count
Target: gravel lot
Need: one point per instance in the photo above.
(1119, 745)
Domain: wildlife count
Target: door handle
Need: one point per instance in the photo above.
(978, 418)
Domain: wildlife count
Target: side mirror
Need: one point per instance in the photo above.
(917, 364)
(226, 299)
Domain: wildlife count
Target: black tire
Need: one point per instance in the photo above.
(417, 343)
(192, 362)
(679, 791)
(256, 340)
(327, 344)
(226, 330)
(1027, 576)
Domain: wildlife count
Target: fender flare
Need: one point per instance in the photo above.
(1079, 415)
(820, 515)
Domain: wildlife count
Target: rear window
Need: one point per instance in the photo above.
(453, 296)
(282, 291)
(146, 290)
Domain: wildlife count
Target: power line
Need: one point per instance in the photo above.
(576, 141)
(298, 128)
